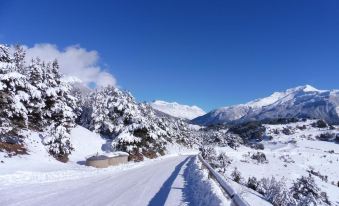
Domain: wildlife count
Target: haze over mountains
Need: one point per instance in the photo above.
(300, 102)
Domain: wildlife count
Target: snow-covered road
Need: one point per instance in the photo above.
(162, 182)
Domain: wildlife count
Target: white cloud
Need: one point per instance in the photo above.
(75, 62)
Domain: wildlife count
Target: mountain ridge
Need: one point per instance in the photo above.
(302, 101)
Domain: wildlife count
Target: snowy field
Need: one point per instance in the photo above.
(38, 179)
(291, 156)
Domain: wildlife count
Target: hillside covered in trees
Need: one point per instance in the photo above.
(35, 97)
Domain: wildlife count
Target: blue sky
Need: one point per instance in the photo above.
(207, 53)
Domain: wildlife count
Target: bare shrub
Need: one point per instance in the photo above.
(286, 159)
(318, 174)
(326, 136)
(257, 146)
(236, 175)
(252, 183)
(219, 162)
(259, 157)
(223, 162)
(287, 131)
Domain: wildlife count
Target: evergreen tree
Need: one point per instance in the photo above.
(276, 192)
(4, 54)
(19, 59)
(14, 96)
(58, 112)
(36, 75)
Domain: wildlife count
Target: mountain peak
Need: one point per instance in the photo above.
(178, 110)
(304, 88)
(309, 88)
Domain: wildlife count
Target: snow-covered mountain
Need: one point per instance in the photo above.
(178, 110)
(302, 102)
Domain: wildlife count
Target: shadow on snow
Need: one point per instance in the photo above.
(161, 196)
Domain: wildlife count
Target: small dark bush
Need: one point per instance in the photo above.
(302, 127)
(275, 131)
(269, 137)
(236, 175)
(337, 137)
(257, 146)
(318, 174)
(320, 124)
(252, 183)
(326, 136)
(287, 131)
(260, 157)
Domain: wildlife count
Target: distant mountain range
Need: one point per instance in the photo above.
(178, 110)
(300, 102)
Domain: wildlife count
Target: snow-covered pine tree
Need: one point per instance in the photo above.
(6, 65)
(306, 192)
(19, 59)
(100, 114)
(150, 130)
(36, 75)
(276, 192)
(117, 116)
(4, 54)
(13, 98)
(58, 112)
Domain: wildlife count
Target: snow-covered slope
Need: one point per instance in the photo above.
(178, 110)
(290, 156)
(84, 142)
(303, 102)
